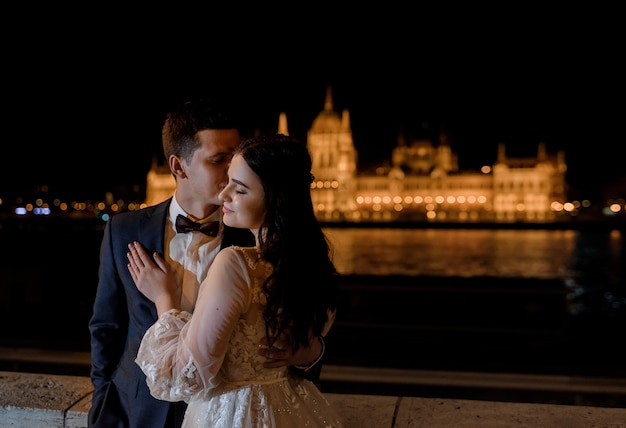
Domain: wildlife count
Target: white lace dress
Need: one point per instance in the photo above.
(211, 360)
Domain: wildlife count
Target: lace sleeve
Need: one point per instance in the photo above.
(182, 354)
(156, 357)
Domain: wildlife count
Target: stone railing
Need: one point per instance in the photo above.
(42, 400)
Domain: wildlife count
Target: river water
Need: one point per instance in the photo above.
(591, 263)
(509, 300)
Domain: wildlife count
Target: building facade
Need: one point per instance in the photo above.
(422, 183)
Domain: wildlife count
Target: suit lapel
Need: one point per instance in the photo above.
(152, 232)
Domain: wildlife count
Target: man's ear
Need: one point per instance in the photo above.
(177, 166)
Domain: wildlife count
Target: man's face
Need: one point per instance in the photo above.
(207, 173)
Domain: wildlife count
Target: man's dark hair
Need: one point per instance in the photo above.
(187, 119)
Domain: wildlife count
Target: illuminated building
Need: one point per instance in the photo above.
(160, 183)
(422, 183)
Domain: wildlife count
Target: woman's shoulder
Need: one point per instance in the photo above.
(250, 256)
(236, 251)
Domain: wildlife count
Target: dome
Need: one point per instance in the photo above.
(326, 121)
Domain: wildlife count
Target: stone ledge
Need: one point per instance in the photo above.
(41, 400)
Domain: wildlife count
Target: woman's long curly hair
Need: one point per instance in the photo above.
(302, 288)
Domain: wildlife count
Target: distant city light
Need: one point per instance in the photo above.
(41, 211)
(569, 207)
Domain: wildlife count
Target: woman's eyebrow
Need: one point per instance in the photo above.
(241, 183)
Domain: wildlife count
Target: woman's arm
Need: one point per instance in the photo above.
(182, 354)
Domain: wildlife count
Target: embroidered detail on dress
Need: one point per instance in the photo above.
(251, 255)
(254, 261)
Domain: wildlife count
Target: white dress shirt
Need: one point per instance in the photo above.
(190, 254)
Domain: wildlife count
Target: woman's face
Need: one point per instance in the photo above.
(243, 197)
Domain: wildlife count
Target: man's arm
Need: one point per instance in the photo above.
(305, 361)
(312, 370)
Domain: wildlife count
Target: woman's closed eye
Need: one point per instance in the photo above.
(240, 187)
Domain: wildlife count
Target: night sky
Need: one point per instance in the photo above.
(85, 99)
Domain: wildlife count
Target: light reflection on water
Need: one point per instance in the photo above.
(454, 252)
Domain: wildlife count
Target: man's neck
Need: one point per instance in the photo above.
(196, 210)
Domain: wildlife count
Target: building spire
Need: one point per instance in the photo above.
(282, 123)
(345, 120)
(501, 153)
(328, 103)
(541, 152)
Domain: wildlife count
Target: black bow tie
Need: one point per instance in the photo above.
(183, 224)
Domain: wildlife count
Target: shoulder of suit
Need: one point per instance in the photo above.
(127, 217)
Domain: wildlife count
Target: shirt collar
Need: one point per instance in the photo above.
(176, 209)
